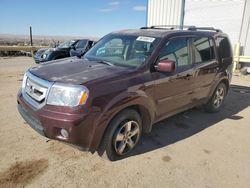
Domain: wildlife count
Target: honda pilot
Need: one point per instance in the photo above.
(127, 82)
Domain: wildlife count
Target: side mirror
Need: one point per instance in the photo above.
(72, 47)
(165, 66)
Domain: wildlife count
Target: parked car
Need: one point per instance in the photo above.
(69, 48)
(127, 82)
(38, 54)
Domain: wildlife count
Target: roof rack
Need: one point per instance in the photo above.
(170, 27)
(190, 27)
(204, 28)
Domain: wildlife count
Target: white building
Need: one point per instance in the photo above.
(227, 15)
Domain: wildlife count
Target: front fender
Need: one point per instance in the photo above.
(117, 104)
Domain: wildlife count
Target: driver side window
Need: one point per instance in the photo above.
(176, 50)
(80, 44)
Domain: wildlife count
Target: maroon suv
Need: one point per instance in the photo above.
(127, 82)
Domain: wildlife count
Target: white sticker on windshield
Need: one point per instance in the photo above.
(145, 39)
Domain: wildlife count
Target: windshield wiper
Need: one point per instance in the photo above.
(104, 62)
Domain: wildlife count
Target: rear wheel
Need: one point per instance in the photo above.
(217, 99)
(122, 135)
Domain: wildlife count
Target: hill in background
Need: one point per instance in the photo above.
(38, 40)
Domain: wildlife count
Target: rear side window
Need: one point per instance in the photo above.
(176, 50)
(224, 47)
(203, 49)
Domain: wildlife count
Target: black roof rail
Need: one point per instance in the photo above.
(204, 28)
(170, 27)
(190, 27)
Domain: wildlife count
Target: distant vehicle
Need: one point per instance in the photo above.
(69, 48)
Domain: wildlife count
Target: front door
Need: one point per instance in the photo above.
(174, 91)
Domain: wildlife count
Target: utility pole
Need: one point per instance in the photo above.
(31, 41)
(182, 14)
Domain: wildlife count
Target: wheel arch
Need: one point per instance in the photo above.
(145, 117)
(223, 80)
(144, 114)
(226, 82)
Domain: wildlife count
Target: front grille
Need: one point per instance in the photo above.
(35, 90)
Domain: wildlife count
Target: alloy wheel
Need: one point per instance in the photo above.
(219, 96)
(126, 137)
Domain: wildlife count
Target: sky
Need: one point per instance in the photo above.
(71, 18)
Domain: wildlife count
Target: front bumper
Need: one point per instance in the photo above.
(48, 122)
(31, 120)
(39, 60)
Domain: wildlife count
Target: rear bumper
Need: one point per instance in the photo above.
(48, 122)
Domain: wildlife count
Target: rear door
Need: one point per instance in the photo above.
(173, 91)
(205, 64)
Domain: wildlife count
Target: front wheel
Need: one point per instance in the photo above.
(122, 135)
(215, 102)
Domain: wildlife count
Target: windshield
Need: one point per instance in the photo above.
(66, 44)
(123, 50)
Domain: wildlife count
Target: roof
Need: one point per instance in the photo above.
(144, 32)
(162, 32)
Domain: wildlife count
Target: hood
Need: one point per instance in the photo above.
(75, 71)
(39, 56)
(52, 50)
(62, 49)
(40, 51)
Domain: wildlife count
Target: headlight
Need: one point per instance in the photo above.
(24, 81)
(44, 56)
(65, 95)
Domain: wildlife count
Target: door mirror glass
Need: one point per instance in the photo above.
(165, 66)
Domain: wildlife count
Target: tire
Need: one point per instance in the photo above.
(215, 102)
(122, 135)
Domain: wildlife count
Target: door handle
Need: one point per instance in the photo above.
(188, 76)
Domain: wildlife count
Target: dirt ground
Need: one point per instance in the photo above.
(192, 149)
